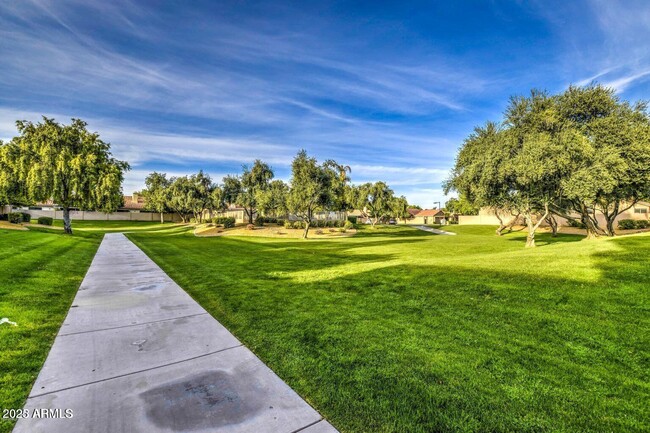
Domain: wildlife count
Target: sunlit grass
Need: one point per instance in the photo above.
(400, 330)
(40, 272)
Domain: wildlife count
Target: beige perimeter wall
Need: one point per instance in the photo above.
(100, 216)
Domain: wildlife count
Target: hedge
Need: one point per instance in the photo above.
(46, 221)
(628, 224)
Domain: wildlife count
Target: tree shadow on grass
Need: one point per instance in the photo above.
(447, 343)
(543, 239)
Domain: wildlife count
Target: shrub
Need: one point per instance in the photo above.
(26, 217)
(250, 226)
(348, 225)
(626, 224)
(280, 222)
(4, 217)
(227, 222)
(319, 231)
(332, 230)
(577, 224)
(297, 225)
(259, 221)
(270, 220)
(46, 221)
(192, 220)
(352, 219)
(288, 224)
(15, 217)
(343, 229)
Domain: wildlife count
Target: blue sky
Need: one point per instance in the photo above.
(389, 88)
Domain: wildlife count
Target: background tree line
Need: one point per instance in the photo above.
(573, 155)
(314, 187)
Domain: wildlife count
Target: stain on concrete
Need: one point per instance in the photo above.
(140, 344)
(203, 401)
(145, 288)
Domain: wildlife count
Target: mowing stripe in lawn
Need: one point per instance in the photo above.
(137, 353)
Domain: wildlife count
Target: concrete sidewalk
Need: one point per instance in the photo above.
(138, 354)
(436, 231)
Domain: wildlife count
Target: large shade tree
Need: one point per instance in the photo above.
(244, 190)
(272, 201)
(375, 199)
(609, 174)
(399, 208)
(314, 187)
(68, 165)
(156, 193)
(573, 155)
(193, 196)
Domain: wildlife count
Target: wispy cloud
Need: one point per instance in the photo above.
(388, 91)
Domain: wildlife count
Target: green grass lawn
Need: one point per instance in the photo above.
(398, 330)
(112, 226)
(40, 272)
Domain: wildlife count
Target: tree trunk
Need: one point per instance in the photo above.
(162, 218)
(67, 226)
(611, 231)
(249, 212)
(552, 223)
(306, 232)
(530, 239)
(532, 227)
(592, 232)
(502, 226)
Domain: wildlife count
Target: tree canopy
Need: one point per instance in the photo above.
(314, 187)
(66, 164)
(572, 155)
(376, 199)
(156, 193)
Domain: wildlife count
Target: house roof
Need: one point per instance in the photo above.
(413, 211)
(133, 202)
(430, 212)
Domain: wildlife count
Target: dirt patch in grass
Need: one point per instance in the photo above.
(272, 232)
(9, 226)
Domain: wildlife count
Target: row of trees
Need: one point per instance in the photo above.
(573, 155)
(64, 163)
(313, 187)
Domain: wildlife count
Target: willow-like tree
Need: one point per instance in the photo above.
(68, 165)
(12, 189)
(156, 193)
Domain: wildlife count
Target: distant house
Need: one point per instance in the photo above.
(133, 202)
(486, 216)
(413, 211)
(361, 216)
(428, 216)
